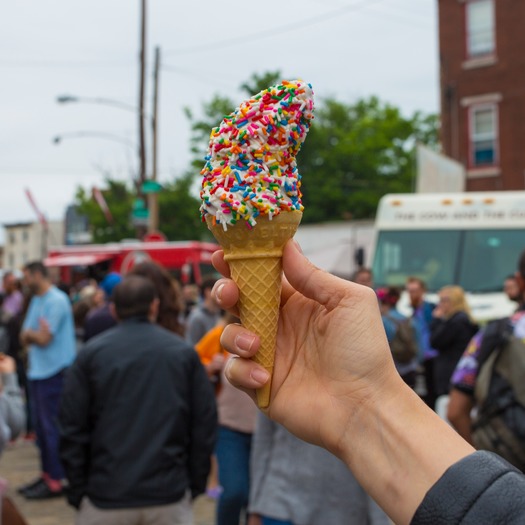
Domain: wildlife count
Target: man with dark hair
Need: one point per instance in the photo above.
(137, 419)
(49, 333)
(203, 317)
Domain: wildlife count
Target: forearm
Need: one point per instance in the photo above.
(398, 448)
(36, 337)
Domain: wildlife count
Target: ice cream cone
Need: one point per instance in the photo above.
(255, 260)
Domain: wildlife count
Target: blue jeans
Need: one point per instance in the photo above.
(45, 397)
(233, 457)
(272, 521)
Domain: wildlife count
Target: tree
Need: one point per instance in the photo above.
(355, 153)
(179, 216)
(120, 202)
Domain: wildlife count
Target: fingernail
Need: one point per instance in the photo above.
(244, 342)
(218, 292)
(260, 375)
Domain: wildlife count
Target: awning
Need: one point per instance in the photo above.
(77, 260)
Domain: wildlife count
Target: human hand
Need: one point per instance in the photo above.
(331, 358)
(7, 364)
(43, 326)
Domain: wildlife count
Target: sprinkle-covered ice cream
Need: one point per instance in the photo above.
(251, 168)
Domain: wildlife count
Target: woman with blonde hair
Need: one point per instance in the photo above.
(450, 332)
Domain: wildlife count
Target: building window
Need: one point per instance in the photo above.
(25, 235)
(481, 38)
(484, 135)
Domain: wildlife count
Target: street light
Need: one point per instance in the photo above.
(67, 99)
(94, 134)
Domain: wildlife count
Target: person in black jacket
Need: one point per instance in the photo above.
(334, 384)
(137, 419)
(451, 330)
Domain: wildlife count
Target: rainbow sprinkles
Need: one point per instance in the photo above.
(251, 167)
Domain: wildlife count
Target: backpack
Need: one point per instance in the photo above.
(404, 346)
(499, 425)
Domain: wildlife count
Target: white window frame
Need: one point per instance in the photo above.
(468, 44)
(473, 109)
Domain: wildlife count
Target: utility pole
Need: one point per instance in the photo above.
(153, 205)
(142, 140)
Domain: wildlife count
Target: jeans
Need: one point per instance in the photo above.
(233, 457)
(272, 521)
(45, 398)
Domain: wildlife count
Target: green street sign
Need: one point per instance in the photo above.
(151, 186)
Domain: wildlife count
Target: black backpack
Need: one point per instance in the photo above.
(499, 425)
(403, 345)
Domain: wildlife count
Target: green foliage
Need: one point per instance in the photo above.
(120, 202)
(355, 153)
(179, 216)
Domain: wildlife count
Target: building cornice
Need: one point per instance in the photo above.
(487, 98)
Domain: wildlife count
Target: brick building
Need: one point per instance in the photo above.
(482, 62)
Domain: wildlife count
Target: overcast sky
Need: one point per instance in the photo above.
(344, 48)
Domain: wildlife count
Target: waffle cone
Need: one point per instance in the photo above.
(255, 260)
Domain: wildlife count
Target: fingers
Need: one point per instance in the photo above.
(237, 340)
(243, 373)
(226, 295)
(246, 375)
(311, 281)
(217, 259)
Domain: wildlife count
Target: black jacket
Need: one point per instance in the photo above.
(137, 419)
(450, 338)
(480, 489)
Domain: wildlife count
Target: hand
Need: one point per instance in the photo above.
(7, 364)
(43, 326)
(331, 359)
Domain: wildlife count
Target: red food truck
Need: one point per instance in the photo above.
(188, 261)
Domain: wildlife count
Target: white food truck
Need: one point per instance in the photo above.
(470, 239)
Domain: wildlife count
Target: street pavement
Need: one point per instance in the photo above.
(19, 465)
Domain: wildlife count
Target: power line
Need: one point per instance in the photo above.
(275, 31)
(60, 63)
(196, 75)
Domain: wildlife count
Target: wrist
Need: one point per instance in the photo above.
(394, 437)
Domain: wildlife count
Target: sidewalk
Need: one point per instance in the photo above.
(19, 464)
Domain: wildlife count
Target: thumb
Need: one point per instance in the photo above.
(310, 281)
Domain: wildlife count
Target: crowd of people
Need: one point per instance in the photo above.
(129, 390)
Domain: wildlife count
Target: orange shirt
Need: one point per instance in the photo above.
(210, 345)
